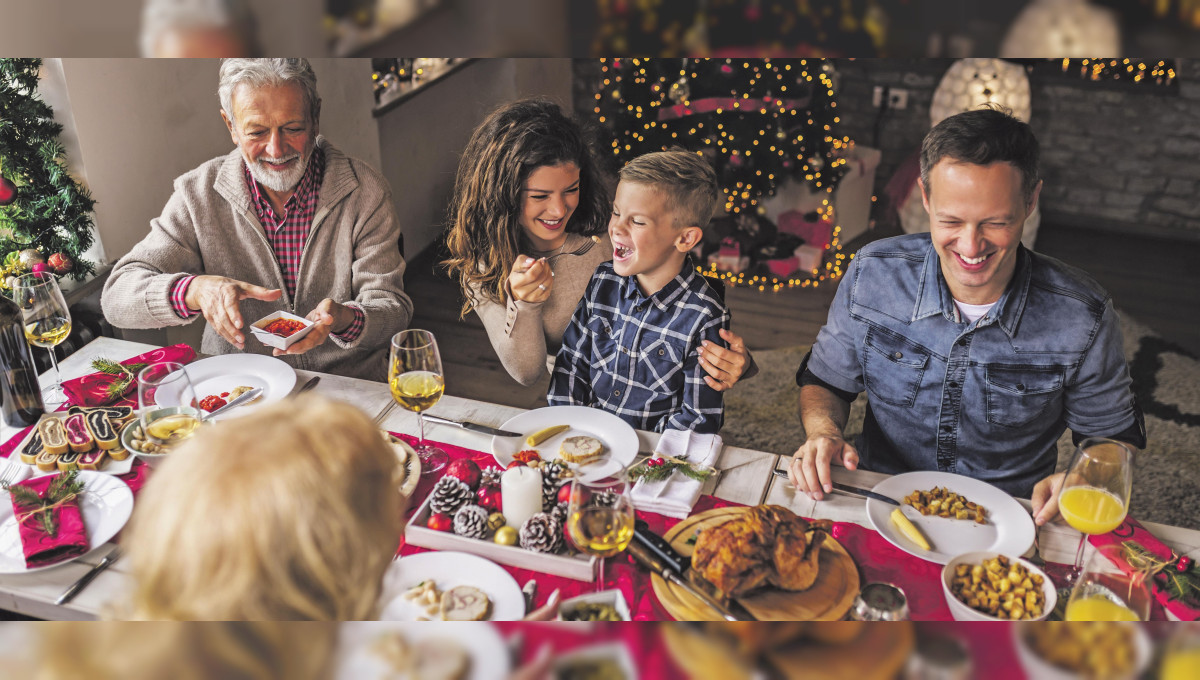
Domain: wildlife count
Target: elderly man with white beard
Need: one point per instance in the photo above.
(283, 222)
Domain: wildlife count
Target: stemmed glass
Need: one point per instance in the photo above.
(167, 403)
(1094, 498)
(47, 320)
(416, 380)
(1105, 593)
(600, 519)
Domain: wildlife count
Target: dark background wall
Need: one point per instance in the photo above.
(1124, 160)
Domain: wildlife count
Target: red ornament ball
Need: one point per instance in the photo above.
(466, 471)
(39, 267)
(582, 493)
(61, 263)
(490, 499)
(8, 191)
(440, 521)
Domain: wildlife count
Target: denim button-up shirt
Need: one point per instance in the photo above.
(987, 399)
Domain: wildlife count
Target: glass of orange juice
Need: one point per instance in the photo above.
(1105, 593)
(1095, 493)
(1181, 654)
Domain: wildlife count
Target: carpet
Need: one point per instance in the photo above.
(761, 414)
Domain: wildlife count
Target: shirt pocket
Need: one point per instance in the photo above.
(1017, 395)
(604, 344)
(659, 366)
(893, 368)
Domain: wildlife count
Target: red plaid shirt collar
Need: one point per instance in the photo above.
(287, 234)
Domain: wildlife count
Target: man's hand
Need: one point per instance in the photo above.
(217, 298)
(330, 317)
(809, 471)
(530, 280)
(1045, 498)
(724, 366)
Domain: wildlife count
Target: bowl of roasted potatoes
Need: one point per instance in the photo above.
(989, 586)
(1062, 650)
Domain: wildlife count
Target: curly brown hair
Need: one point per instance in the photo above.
(484, 217)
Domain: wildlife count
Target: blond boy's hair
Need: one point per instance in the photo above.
(684, 178)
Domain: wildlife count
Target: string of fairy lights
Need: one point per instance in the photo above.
(1155, 72)
(759, 121)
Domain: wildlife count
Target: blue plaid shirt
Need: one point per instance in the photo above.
(638, 357)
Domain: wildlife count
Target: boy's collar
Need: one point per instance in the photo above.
(665, 296)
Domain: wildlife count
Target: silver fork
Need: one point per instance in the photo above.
(9, 473)
(588, 245)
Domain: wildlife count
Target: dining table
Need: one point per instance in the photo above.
(744, 477)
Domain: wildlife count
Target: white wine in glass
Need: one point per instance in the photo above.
(415, 379)
(600, 519)
(167, 403)
(47, 320)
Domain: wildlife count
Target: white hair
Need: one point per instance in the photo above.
(272, 72)
(160, 16)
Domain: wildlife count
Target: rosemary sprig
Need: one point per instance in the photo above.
(28, 500)
(667, 467)
(125, 375)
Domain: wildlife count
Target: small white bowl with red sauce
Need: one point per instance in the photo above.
(280, 329)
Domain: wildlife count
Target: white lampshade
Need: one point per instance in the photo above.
(970, 83)
(1062, 28)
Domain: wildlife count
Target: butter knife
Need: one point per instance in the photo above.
(312, 382)
(242, 399)
(847, 488)
(70, 593)
(473, 427)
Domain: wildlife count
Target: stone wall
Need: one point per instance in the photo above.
(1121, 160)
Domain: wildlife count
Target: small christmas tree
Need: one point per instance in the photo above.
(45, 215)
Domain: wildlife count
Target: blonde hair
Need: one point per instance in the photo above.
(685, 179)
(291, 513)
(186, 650)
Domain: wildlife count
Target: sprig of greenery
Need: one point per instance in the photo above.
(658, 473)
(125, 375)
(28, 500)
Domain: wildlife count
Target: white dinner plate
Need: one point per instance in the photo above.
(106, 503)
(448, 569)
(619, 438)
(220, 374)
(1009, 529)
(359, 642)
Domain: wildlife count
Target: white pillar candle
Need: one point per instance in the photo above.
(521, 494)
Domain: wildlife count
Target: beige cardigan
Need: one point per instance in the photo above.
(209, 227)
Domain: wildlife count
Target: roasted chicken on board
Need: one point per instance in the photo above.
(767, 545)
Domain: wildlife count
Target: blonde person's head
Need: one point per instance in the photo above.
(185, 650)
(686, 182)
(290, 513)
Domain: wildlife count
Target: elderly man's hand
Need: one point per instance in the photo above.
(809, 471)
(217, 298)
(330, 317)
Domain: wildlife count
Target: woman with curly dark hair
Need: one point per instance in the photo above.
(527, 195)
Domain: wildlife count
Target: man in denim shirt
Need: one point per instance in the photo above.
(976, 353)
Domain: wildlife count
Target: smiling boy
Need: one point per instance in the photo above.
(632, 346)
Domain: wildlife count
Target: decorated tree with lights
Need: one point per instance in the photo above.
(45, 215)
(760, 122)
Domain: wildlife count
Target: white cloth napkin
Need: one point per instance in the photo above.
(675, 496)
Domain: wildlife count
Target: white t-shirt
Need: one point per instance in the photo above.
(972, 312)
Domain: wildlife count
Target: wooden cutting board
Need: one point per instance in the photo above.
(827, 600)
(878, 652)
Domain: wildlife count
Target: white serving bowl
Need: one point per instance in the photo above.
(959, 609)
(1037, 667)
(272, 340)
(613, 598)
(151, 459)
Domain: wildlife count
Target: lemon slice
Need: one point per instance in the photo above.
(542, 435)
(909, 529)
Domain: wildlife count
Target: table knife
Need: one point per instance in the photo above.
(473, 427)
(847, 488)
(310, 384)
(70, 593)
(241, 399)
(651, 561)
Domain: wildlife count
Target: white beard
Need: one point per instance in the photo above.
(279, 180)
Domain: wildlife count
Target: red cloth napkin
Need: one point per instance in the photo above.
(1131, 530)
(90, 390)
(40, 548)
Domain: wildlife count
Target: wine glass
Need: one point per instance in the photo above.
(1095, 493)
(600, 519)
(1181, 654)
(415, 378)
(46, 318)
(1105, 593)
(167, 403)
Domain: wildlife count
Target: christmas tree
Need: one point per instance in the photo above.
(758, 121)
(45, 215)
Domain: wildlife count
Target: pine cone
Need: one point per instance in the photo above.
(560, 513)
(491, 476)
(471, 521)
(604, 499)
(450, 494)
(552, 478)
(541, 533)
